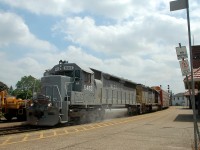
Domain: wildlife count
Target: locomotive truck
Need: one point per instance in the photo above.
(74, 93)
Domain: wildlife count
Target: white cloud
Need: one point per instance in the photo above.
(16, 42)
(36, 63)
(48, 7)
(145, 35)
(12, 71)
(13, 30)
(115, 9)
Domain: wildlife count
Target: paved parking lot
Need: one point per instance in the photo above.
(163, 130)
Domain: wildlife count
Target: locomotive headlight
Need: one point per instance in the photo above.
(49, 104)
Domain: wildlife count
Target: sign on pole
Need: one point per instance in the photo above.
(181, 52)
(177, 5)
(184, 67)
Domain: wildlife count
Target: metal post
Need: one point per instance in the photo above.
(197, 129)
(192, 80)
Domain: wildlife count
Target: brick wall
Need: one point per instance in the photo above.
(196, 56)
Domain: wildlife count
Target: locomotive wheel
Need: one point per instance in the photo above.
(139, 111)
(83, 118)
(91, 116)
(130, 111)
(101, 114)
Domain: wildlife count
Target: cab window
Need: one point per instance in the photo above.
(87, 77)
(77, 73)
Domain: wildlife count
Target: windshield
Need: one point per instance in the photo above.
(50, 93)
(66, 73)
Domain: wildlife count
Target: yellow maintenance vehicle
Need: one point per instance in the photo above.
(10, 106)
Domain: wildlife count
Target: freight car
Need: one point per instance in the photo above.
(163, 96)
(74, 93)
(148, 98)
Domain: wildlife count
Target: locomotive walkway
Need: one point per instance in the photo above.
(170, 129)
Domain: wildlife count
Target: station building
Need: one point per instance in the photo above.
(180, 99)
(196, 77)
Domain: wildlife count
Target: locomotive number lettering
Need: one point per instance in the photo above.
(88, 87)
(68, 67)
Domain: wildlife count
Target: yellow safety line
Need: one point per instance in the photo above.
(85, 128)
(5, 142)
(76, 130)
(54, 133)
(41, 135)
(25, 138)
(66, 132)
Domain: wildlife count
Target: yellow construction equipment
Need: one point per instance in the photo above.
(10, 106)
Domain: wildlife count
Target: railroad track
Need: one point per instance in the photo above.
(19, 129)
(23, 128)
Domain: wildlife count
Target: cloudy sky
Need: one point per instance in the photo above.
(133, 39)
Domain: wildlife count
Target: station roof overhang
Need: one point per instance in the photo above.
(187, 93)
(196, 78)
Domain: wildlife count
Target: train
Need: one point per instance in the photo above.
(73, 93)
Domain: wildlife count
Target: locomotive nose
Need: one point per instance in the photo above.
(36, 113)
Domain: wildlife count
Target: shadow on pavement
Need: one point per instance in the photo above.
(186, 118)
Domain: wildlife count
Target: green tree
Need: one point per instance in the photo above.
(3, 86)
(26, 86)
(10, 90)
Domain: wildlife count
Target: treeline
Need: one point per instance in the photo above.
(25, 88)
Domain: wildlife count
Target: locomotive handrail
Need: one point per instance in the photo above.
(66, 89)
(59, 95)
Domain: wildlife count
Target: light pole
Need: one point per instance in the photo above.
(177, 5)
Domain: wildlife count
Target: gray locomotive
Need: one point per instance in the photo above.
(72, 93)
